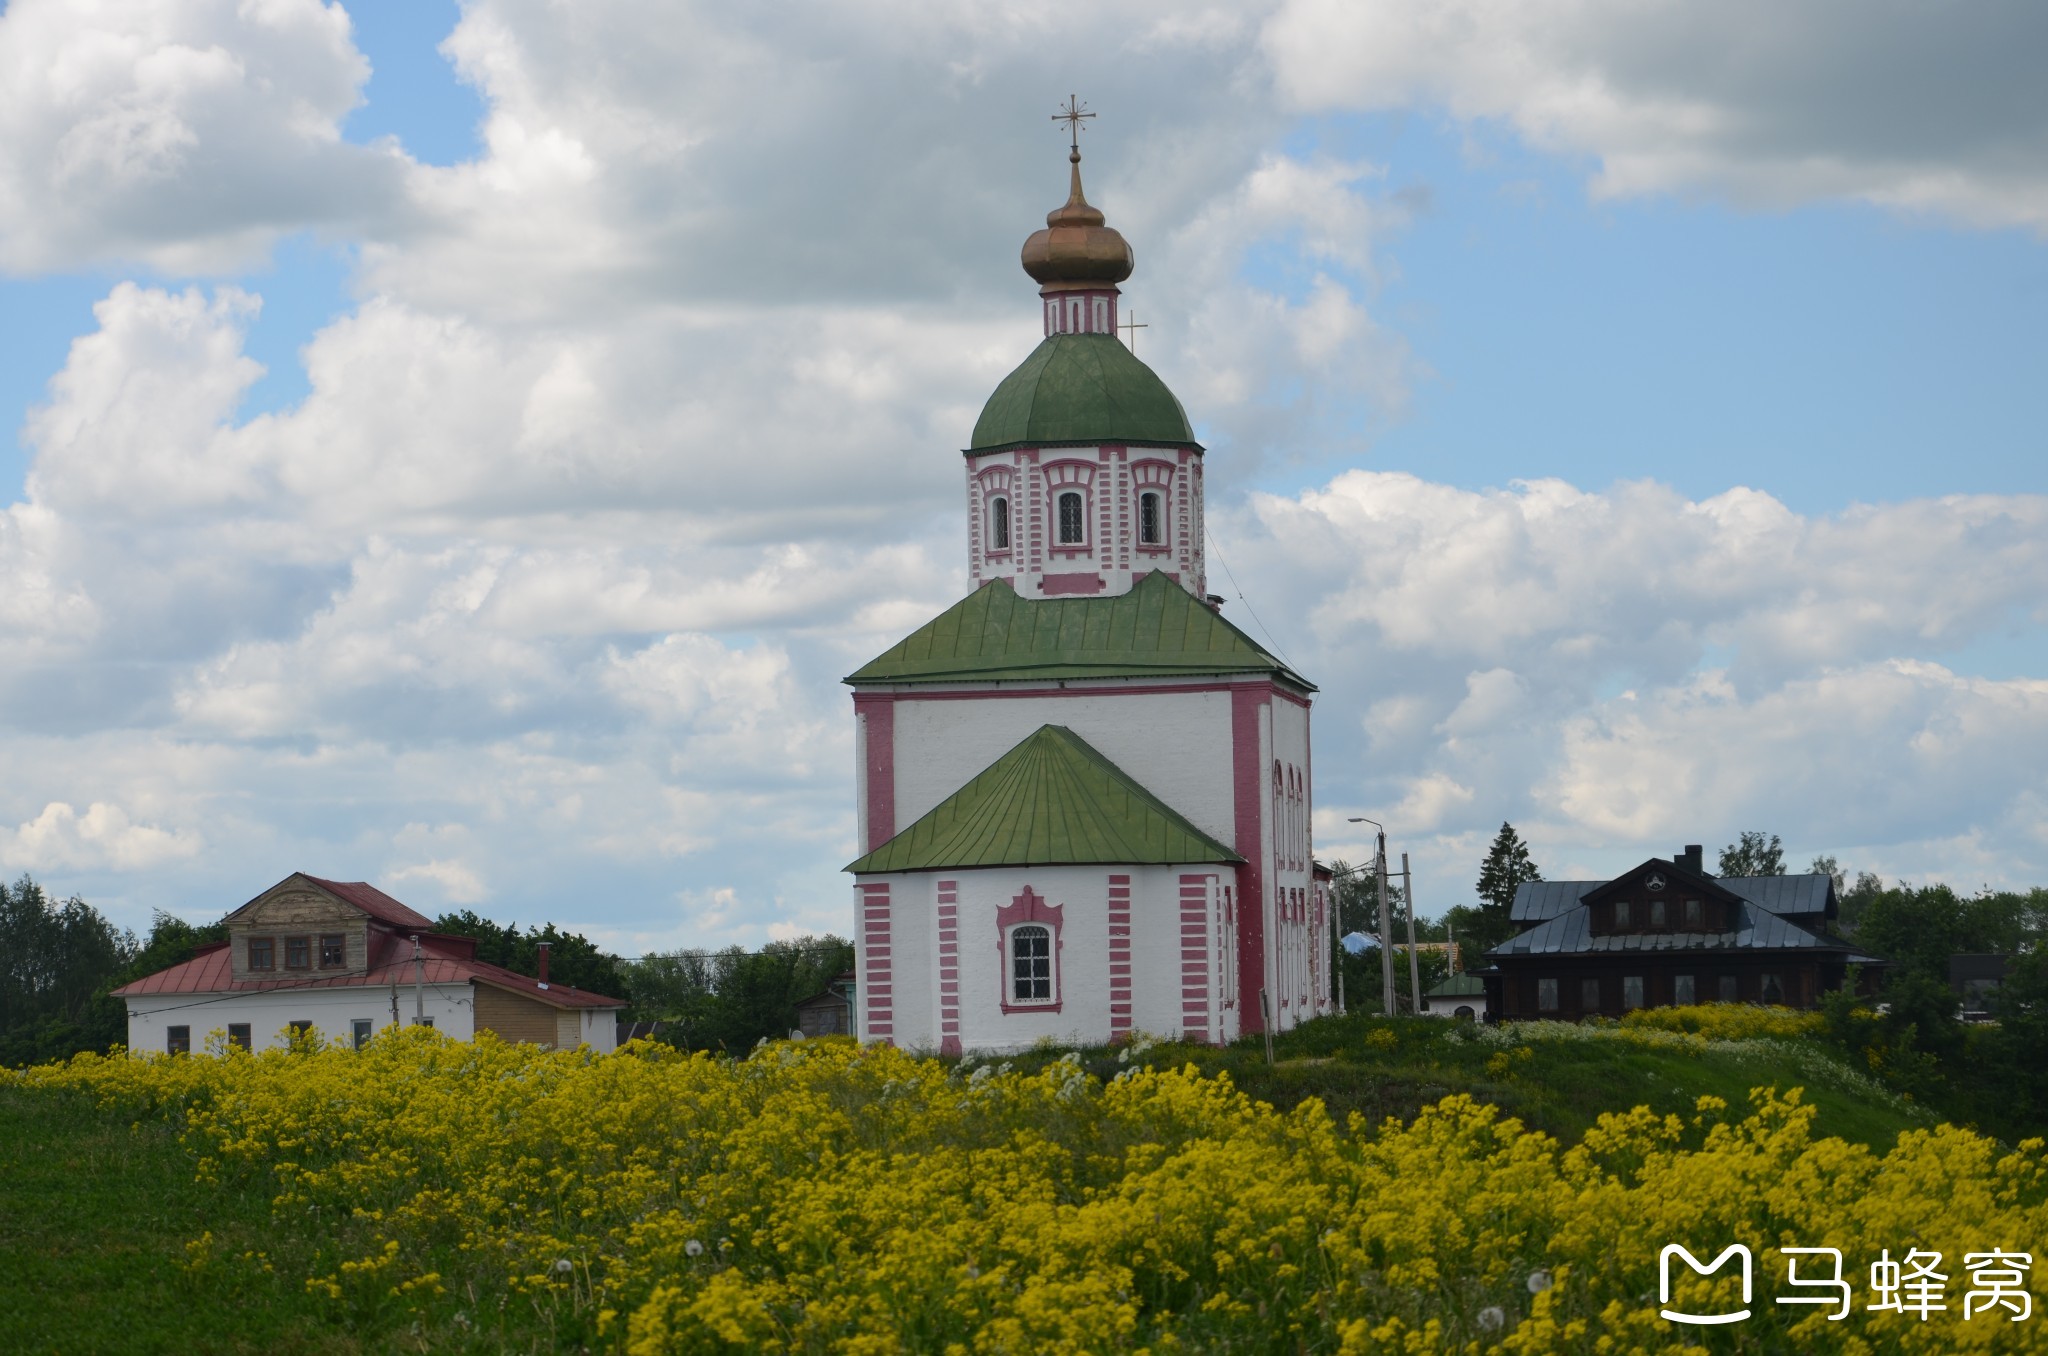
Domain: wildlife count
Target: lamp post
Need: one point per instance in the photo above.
(1386, 924)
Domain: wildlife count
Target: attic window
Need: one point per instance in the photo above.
(262, 953)
(333, 951)
(1693, 917)
(298, 953)
(1621, 919)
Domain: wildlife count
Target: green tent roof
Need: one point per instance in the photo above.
(1156, 628)
(1081, 388)
(1051, 801)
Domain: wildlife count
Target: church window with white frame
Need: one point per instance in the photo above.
(999, 523)
(1151, 519)
(1073, 519)
(1031, 964)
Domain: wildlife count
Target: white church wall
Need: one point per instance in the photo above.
(955, 980)
(1111, 556)
(1176, 743)
(332, 1011)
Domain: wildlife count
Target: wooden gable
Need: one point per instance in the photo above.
(295, 912)
(1661, 896)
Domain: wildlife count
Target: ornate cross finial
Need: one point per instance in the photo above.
(1133, 325)
(1073, 114)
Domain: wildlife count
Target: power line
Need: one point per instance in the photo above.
(1211, 537)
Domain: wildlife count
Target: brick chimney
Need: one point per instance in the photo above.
(543, 966)
(1691, 860)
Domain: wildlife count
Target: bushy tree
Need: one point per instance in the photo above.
(729, 1000)
(1752, 855)
(58, 961)
(574, 961)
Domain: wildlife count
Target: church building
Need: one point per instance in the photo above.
(1084, 795)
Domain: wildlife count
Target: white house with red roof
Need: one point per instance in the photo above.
(346, 960)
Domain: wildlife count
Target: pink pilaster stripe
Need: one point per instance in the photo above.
(949, 967)
(1194, 969)
(1119, 956)
(877, 991)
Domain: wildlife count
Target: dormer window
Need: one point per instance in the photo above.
(1151, 522)
(1694, 915)
(1656, 913)
(1072, 525)
(333, 951)
(999, 523)
(262, 953)
(1621, 913)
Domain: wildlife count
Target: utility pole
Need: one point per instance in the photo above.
(1414, 966)
(419, 984)
(1337, 942)
(1386, 932)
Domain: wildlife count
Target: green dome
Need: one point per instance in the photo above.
(1081, 388)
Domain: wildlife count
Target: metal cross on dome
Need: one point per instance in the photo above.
(1073, 113)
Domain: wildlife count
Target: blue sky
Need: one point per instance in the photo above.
(608, 410)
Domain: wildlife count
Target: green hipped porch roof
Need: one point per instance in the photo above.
(1051, 801)
(1157, 628)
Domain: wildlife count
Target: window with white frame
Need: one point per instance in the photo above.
(999, 523)
(1031, 963)
(1151, 520)
(1073, 521)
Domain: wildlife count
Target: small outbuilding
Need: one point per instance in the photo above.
(1458, 995)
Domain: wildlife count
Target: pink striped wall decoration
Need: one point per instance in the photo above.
(1194, 958)
(949, 967)
(877, 984)
(1119, 956)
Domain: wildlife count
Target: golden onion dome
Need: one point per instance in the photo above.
(1075, 249)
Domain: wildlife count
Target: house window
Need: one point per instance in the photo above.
(178, 1040)
(238, 1035)
(424, 1021)
(1620, 913)
(361, 1028)
(1631, 991)
(262, 953)
(1728, 989)
(1546, 995)
(301, 1026)
(1589, 994)
(1151, 522)
(1656, 913)
(1693, 914)
(333, 951)
(298, 953)
(1031, 964)
(999, 523)
(1681, 989)
(1072, 526)
(1772, 993)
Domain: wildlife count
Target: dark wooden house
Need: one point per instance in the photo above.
(1668, 933)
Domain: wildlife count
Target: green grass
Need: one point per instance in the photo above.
(95, 1215)
(1561, 1087)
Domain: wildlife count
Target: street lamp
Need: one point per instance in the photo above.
(1386, 924)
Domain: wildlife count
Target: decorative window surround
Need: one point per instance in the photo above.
(1030, 908)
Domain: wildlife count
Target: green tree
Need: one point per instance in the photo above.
(1507, 866)
(1829, 867)
(574, 961)
(1751, 855)
(729, 1000)
(58, 961)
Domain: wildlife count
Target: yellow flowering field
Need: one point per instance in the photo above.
(820, 1196)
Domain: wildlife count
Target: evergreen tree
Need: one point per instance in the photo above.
(1751, 855)
(1507, 865)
